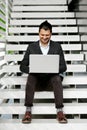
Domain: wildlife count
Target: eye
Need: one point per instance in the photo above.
(47, 35)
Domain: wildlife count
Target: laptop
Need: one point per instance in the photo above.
(43, 63)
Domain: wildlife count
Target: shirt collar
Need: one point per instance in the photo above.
(44, 46)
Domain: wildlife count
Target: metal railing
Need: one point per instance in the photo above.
(8, 13)
(5, 10)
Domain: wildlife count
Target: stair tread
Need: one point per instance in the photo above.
(41, 121)
(43, 108)
(80, 80)
(41, 124)
(42, 104)
(20, 93)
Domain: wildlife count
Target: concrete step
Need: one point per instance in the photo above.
(40, 8)
(83, 8)
(84, 38)
(70, 68)
(42, 15)
(68, 57)
(81, 15)
(39, 2)
(21, 80)
(83, 29)
(82, 2)
(68, 93)
(43, 108)
(33, 38)
(82, 22)
(44, 124)
(23, 47)
(35, 30)
(37, 22)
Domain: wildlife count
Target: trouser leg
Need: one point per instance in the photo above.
(58, 90)
(30, 89)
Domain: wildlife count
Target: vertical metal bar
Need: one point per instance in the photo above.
(6, 19)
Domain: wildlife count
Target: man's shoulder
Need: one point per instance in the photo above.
(34, 43)
(56, 43)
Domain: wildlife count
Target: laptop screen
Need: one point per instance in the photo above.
(44, 63)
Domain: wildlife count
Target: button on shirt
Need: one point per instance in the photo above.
(44, 49)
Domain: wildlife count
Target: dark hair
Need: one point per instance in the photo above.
(46, 26)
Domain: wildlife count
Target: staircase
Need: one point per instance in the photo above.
(2, 38)
(82, 24)
(25, 17)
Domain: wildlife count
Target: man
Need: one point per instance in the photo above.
(44, 46)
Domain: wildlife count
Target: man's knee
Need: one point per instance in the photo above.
(56, 79)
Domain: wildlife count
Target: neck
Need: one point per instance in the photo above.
(42, 44)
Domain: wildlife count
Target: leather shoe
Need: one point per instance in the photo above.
(27, 118)
(61, 117)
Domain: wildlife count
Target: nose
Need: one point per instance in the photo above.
(44, 37)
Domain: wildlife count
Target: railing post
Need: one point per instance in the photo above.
(6, 19)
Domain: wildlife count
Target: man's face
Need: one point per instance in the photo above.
(45, 36)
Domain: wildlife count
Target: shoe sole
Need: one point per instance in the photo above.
(26, 122)
(62, 121)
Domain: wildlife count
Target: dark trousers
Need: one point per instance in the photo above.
(53, 80)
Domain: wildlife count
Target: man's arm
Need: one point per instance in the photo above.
(24, 66)
(62, 63)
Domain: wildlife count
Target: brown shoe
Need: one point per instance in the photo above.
(27, 118)
(61, 117)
